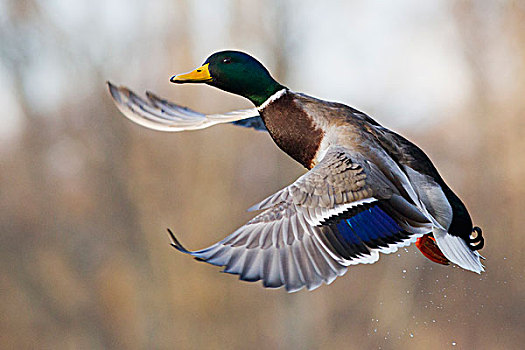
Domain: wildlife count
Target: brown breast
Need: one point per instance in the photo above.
(292, 129)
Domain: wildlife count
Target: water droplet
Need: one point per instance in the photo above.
(411, 335)
(453, 343)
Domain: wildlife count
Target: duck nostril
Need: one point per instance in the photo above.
(199, 70)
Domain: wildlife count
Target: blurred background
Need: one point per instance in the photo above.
(86, 196)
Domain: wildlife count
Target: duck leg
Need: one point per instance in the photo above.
(427, 245)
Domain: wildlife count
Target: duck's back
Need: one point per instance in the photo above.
(299, 123)
(409, 155)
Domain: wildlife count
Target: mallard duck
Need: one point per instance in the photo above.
(367, 190)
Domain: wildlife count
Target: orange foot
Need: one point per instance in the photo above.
(427, 245)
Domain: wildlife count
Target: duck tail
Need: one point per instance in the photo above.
(456, 250)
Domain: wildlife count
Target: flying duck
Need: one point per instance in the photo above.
(367, 191)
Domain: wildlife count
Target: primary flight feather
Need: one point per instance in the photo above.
(368, 190)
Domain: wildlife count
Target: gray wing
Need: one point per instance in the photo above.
(159, 114)
(300, 238)
(278, 247)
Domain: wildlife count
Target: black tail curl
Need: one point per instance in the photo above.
(476, 240)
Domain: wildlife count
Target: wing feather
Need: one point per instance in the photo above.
(162, 115)
(306, 235)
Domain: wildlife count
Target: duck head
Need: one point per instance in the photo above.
(235, 72)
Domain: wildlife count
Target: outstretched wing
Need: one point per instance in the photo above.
(159, 114)
(342, 212)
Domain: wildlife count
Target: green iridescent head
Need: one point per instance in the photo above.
(235, 72)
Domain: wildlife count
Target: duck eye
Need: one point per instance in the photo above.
(227, 60)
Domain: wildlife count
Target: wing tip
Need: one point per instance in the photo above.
(118, 92)
(113, 90)
(175, 242)
(254, 207)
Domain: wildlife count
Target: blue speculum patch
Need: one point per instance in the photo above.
(368, 226)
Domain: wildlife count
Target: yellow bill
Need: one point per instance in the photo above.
(199, 75)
